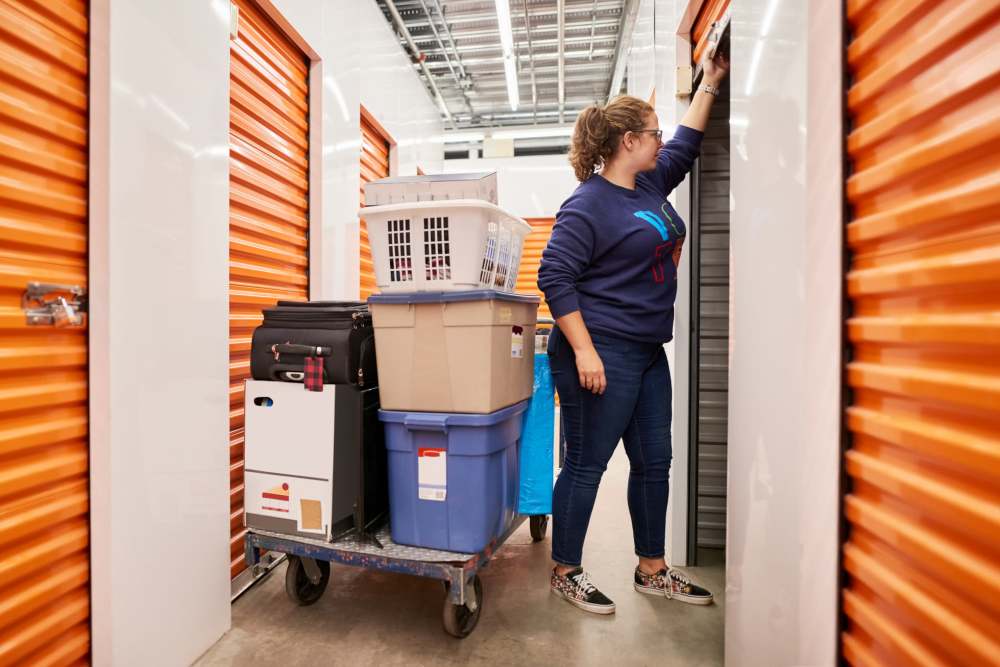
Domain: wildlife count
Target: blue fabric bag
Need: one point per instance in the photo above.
(535, 496)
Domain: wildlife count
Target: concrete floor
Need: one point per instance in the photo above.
(372, 618)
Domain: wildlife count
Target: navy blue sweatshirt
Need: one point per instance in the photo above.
(613, 252)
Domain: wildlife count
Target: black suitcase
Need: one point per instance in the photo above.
(340, 332)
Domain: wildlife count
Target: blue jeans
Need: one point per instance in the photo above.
(636, 408)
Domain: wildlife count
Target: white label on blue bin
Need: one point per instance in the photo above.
(432, 473)
(516, 343)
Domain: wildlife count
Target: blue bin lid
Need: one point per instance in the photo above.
(441, 420)
(451, 297)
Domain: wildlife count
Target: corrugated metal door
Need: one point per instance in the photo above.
(922, 556)
(44, 523)
(709, 415)
(531, 259)
(375, 148)
(268, 206)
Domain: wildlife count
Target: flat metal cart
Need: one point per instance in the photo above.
(308, 571)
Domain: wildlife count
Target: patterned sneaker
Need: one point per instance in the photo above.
(672, 584)
(575, 586)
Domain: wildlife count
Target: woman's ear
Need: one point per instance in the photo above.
(628, 141)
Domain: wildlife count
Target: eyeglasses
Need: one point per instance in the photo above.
(656, 133)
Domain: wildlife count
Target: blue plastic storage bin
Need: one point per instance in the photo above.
(453, 478)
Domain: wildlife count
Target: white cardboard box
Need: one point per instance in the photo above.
(302, 457)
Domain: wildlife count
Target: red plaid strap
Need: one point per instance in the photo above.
(314, 374)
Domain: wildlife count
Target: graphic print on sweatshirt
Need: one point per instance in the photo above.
(670, 246)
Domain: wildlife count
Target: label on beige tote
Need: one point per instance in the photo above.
(516, 343)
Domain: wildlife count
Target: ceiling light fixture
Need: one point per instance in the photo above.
(507, 45)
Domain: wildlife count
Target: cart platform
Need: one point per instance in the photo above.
(309, 565)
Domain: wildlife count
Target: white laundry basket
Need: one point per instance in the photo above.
(442, 246)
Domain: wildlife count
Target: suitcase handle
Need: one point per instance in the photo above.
(305, 350)
(426, 422)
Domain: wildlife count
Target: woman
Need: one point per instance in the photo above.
(609, 274)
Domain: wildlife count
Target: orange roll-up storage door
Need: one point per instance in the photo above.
(268, 206)
(375, 148)
(531, 259)
(710, 12)
(44, 501)
(922, 556)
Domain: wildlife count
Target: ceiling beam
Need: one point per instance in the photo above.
(629, 16)
(451, 38)
(609, 24)
(543, 61)
(416, 54)
(581, 79)
(583, 40)
(518, 117)
(602, 58)
(458, 80)
(531, 57)
(581, 10)
(561, 37)
(593, 28)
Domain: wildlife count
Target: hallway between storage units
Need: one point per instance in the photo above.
(373, 618)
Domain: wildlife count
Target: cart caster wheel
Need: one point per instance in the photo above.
(302, 591)
(459, 619)
(539, 526)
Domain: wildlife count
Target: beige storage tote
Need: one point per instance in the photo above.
(468, 352)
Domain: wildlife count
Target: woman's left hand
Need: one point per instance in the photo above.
(716, 69)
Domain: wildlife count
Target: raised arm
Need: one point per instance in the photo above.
(679, 153)
(715, 71)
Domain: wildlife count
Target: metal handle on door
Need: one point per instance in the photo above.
(58, 311)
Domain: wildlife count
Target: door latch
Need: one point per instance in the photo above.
(46, 304)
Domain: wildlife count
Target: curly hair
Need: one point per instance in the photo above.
(599, 129)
